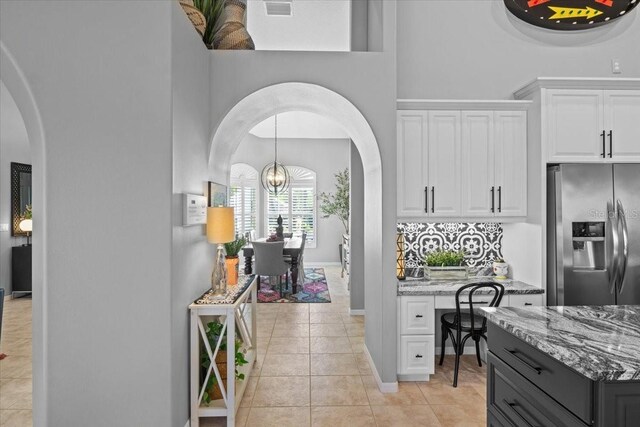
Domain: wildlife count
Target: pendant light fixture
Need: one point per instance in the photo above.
(275, 177)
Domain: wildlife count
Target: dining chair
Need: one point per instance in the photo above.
(468, 320)
(269, 261)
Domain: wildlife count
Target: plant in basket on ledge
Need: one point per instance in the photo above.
(213, 390)
(445, 264)
(231, 259)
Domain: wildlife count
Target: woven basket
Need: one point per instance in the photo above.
(195, 16)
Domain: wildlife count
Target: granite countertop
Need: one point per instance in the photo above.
(600, 342)
(449, 287)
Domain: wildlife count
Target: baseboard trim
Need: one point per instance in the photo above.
(356, 312)
(384, 387)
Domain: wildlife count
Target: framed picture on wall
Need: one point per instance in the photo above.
(217, 194)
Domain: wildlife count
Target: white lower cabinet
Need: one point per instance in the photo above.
(417, 354)
(524, 300)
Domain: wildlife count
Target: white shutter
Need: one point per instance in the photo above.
(303, 202)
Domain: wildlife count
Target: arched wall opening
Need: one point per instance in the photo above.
(286, 97)
(18, 86)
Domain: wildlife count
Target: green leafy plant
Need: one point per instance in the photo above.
(27, 214)
(499, 260)
(212, 11)
(442, 258)
(337, 203)
(213, 332)
(233, 248)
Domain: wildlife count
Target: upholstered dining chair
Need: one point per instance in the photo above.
(468, 320)
(269, 261)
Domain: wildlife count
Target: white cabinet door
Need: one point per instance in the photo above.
(478, 187)
(510, 152)
(444, 163)
(417, 354)
(412, 159)
(524, 300)
(575, 125)
(622, 124)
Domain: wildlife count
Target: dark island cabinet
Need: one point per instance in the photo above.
(526, 387)
(21, 269)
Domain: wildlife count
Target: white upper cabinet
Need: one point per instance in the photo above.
(595, 125)
(462, 163)
(412, 156)
(494, 157)
(444, 163)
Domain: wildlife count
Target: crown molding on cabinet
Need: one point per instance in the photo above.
(461, 104)
(576, 83)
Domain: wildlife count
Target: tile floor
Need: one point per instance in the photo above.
(15, 369)
(311, 371)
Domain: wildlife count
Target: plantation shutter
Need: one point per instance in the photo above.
(303, 211)
(243, 197)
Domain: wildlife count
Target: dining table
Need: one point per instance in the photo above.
(292, 248)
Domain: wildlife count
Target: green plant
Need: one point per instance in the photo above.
(500, 260)
(212, 10)
(27, 214)
(213, 332)
(233, 248)
(442, 258)
(337, 204)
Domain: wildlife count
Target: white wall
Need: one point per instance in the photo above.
(323, 156)
(14, 147)
(192, 256)
(463, 49)
(100, 73)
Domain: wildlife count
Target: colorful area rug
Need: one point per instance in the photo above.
(314, 289)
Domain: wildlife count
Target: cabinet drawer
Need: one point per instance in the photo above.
(551, 376)
(417, 315)
(520, 402)
(449, 301)
(417, 354)
(524, 300)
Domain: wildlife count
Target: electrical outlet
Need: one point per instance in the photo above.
(615, 66)
(4, 227)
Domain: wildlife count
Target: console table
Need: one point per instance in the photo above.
(238, 315)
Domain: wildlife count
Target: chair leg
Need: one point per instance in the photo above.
(459, 351)
(444, 340)
(478, 351)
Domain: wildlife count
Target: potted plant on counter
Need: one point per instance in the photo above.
(231, 259)
(445, 265)
(500, 268)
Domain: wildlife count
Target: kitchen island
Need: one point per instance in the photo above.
(418, 300)
(566, 366)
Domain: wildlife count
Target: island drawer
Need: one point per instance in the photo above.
(551, 376)
(519, 402)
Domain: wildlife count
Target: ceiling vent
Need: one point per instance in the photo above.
(278, 8)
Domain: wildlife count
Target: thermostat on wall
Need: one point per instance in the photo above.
(194, 209)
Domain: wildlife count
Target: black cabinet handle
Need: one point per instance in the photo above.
(419, 315)
(418, 356)
(426, 199)
(513, 406)
(433, 203)
(527, 364)
(493, 199)
(610, 144)
(500, 198)
(604, 149)
(527, 303)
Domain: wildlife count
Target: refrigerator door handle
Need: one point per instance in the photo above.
(615, 244)
(622, 262)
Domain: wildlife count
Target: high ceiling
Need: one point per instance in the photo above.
(314, 25)
(300, 125)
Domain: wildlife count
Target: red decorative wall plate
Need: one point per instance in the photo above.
(569, 14)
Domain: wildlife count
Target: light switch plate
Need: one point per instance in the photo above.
(4, 227)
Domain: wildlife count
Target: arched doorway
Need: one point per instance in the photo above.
(285, 97)
(16, 83)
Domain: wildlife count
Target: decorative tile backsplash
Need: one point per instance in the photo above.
(482, 241)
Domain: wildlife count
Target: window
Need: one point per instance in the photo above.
(243, 197)
(297, 205)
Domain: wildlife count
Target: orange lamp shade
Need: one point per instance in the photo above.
(220, 226)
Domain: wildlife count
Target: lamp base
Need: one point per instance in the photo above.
(219, 275)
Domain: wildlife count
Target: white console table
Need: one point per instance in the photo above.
(238, 315)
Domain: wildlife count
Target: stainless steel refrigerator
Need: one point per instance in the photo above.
(593, 234)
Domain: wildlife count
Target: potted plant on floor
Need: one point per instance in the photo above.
(213, 390)
(231, 259)
(445, 265)
(337, 204)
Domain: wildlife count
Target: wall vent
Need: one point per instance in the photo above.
(278, 8)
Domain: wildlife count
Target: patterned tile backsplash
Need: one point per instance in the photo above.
(482, 241)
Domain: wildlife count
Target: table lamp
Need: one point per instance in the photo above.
(26, 225)
(220, 230)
